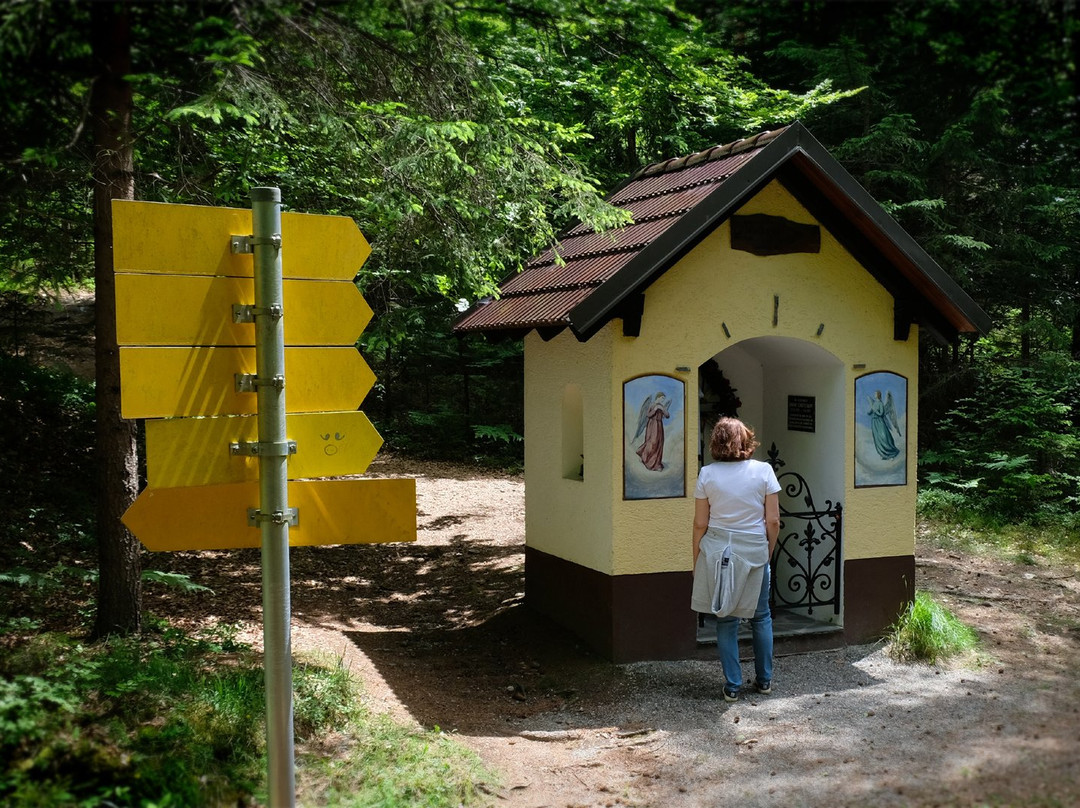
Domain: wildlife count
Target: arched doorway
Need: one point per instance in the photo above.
(792, 393)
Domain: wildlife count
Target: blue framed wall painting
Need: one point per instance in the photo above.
(654, 437)
(881, 403)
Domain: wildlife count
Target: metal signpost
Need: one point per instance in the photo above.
(196, 359)
(273, 514)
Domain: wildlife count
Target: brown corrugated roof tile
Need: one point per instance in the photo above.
(581, 272)
(539, 310)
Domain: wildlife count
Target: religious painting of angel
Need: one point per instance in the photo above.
(654, 446)
(880, 429)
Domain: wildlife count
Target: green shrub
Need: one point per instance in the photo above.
(941, 503)
(928, 632)
(443, 433)
(169, 721)
(325, 697)
(45, 461)
(1012, 451)
(144, 722)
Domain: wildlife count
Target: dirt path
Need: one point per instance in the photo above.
(439, 635)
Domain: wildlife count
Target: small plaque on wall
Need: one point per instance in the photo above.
(800, 414)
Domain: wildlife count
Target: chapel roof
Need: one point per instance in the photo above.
(589, 278)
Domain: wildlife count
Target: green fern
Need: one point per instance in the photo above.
(174, 579)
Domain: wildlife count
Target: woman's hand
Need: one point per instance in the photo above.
(701, 525)
(772, 520)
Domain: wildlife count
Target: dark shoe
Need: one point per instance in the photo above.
(731, 693)
(764, 688)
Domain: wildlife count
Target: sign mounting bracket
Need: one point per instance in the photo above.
(263, 448)
(246, 313)
(249, 382)
(245, 245)
(289, 516)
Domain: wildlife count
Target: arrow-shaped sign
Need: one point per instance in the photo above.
(196, 240)
(198, 310)
(171, 382)
(196, 451)
(214, 517)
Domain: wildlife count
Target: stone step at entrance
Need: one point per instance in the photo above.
(785, 624)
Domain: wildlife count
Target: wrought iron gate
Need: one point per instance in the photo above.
(809, 547)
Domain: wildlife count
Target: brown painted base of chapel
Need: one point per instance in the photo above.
(630, 618)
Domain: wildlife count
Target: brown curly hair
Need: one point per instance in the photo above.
(732, 440)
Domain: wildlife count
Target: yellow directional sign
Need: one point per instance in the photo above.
(214, 517)
(181, 271)
(196, 451)
(197, 310)
(170, 382)
(195, 240)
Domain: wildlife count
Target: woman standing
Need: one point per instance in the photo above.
(736, 524)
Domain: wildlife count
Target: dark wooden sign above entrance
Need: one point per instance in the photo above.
(762, 234)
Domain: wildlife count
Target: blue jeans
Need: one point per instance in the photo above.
(727, 640)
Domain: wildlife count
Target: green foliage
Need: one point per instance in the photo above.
(967, 152)
(20, 625)
(44, 458)
(471, 136)
(437, 433)
(53, 579)
(1012, 450)
(44, 160)
(440, 401)
(474, 133)
(500, 433)
(59, 576)
(174, 579)
(106, 720)
(928, 632)
(326, 698)
(168, 721)
(643, 78)
(959, 529)
(391, 766)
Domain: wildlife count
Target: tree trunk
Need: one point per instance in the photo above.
(119, 584)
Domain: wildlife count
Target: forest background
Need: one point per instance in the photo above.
(464, 137)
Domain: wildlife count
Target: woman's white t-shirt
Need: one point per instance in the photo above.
(736, 492)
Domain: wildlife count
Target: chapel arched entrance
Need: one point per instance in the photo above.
(792, 393)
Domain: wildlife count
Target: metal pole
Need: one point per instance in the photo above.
(273, 493)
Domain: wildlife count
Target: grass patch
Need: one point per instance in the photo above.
(928, 632)
(178, 720)
(158, 721)
(351, 757)
(386, 765)
(1030, 545)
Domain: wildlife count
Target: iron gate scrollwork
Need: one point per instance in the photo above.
(812, 553)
